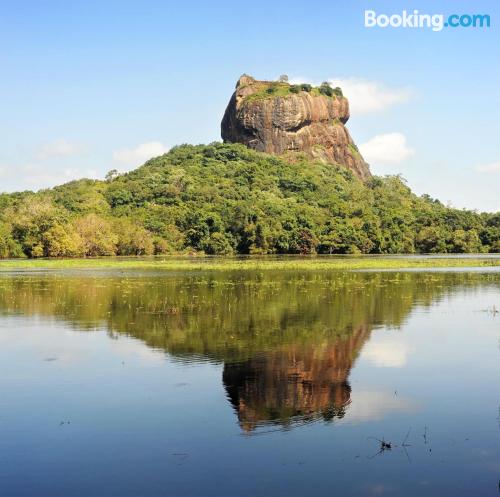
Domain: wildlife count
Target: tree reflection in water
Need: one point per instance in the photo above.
(288, 341)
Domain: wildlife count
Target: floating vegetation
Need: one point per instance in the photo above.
(269, 263)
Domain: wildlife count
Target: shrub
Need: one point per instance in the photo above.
(326, 89)
(338, 91)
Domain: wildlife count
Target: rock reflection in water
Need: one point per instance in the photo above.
(287, 340)
(295, 384)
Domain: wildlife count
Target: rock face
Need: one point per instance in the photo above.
(279, 118)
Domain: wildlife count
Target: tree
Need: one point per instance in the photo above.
(111, 175)
(97, 235)
(466, 241)
(430, 239)
(223, 198)
(217, 244)
(8, 246)
(63, 241)
(132, 239)
(31, 219)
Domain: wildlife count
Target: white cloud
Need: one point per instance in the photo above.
(373, 405)
(40, 177)
(387, 351)
(37, 176)
(139, 154)
(366, 96)
(370, 96)
(492, 167)
(57, 148)
(390, 148)
(137, 350)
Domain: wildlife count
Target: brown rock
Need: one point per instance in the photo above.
(270, 117)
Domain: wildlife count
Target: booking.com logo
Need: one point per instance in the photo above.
(436, 22)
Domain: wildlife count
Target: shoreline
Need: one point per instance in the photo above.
(261, 263)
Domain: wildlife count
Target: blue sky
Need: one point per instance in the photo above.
(86, 87)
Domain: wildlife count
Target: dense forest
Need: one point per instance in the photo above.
(228, 199)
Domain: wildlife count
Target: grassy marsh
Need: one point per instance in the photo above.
(197, 263)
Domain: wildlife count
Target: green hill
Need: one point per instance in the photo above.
(223, 199)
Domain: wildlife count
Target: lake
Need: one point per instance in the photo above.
(249, 383)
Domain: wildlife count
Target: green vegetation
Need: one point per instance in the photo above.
(253, 264)
(272, 89)
(353, 148)
(326, 89)
(222, 199)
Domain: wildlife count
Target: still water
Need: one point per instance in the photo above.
(249, 384)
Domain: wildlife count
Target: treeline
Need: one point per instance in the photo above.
(225, 199)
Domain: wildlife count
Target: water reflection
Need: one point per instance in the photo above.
(295, 384)
(287, 342)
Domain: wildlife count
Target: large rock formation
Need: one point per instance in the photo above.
(279, 118)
